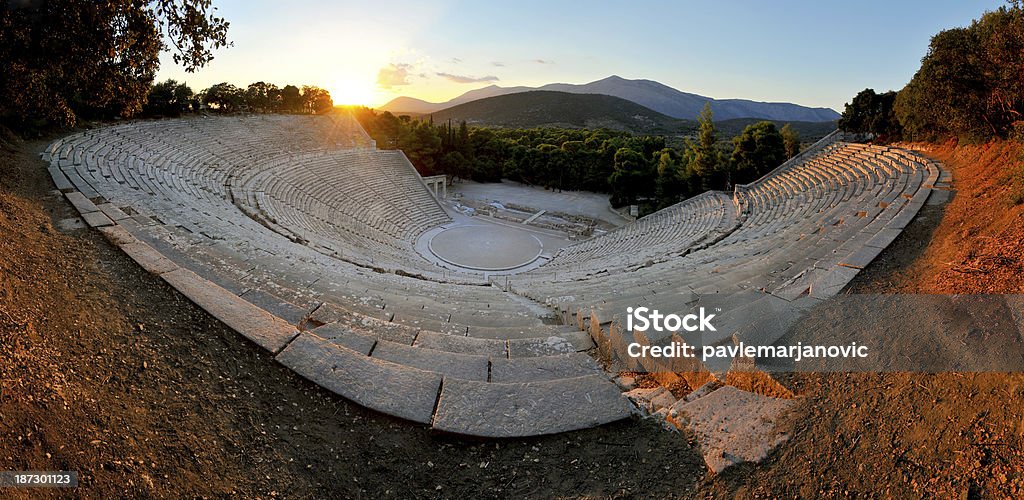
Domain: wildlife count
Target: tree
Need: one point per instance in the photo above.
(873, 113)
(705, 158)
(262, 96)
(168, 98)
(756, 151)
(64, 59)
(790, 140)
(316, 99)
(291, 99)
(630, 177)
(223, 97)
(670, 185)
(970, 82)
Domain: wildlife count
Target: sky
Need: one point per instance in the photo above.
(809, 52)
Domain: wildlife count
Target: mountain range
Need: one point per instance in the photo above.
(648, 93)
(545, 108)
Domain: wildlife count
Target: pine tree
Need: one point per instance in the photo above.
(706, 159)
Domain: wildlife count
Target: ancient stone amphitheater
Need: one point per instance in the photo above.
(296, 232)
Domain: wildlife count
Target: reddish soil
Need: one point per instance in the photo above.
(973, 244)
(106, 371)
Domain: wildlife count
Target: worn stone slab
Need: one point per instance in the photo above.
(449, 364)
(97, 219)
(861, 257)
(266, 330)
(118, 235)
(148, 258)
(81, 203)
(393, 332)
(562, 343)
(507, 332)
(798, 285)
(771, 321)
(276, 305)
(903, 219)
(392, 389)
(832, 282)
(483, 319)
(733, 426)
(884, 237)
(543, 368)
(344, 336)
(59, 179)
(528, 409)
(652, 399)
(464, 345)
(112, 211)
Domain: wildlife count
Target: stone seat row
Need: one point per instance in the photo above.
(790, 250)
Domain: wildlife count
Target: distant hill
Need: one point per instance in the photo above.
(541, 108)
(651, 94)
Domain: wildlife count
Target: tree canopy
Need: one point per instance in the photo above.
(169, 98)
(65, 59)
(870, 112)
(640, 169)
(970, 85)
(756, 151)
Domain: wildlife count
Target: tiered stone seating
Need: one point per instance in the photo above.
(284, 230)
(297, 233)
(662, 235)
(804, 231)
(370, 201)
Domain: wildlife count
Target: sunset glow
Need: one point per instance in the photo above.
(353, 90)
(369, 53)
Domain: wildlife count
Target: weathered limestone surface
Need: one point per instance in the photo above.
(543, 368)
(267, 331)
(347, 337)
(733, 426)
(449, 364)
(387, 387)
(464, 345)
(562, 343)
(526, 409)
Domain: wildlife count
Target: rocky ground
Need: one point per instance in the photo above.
(107, 371)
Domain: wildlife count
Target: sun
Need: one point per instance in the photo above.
(352, 91)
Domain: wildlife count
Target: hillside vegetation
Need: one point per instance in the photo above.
(647, 93)
(561, 109)
(970, 85)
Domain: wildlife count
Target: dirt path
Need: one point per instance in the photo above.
(107, 371)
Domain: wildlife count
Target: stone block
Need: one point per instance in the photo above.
(391, 389)
(543, 368)
(528, 409)
(267, 331)
(449, 364)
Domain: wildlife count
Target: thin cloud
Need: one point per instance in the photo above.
(543, 61)
(455, 60)
(498, 64)
(467, 79)
(393, 75)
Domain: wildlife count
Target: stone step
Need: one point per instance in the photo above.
(463, 345)
(498, 410)
(449, 364)
(380, 385)
(540, 368)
